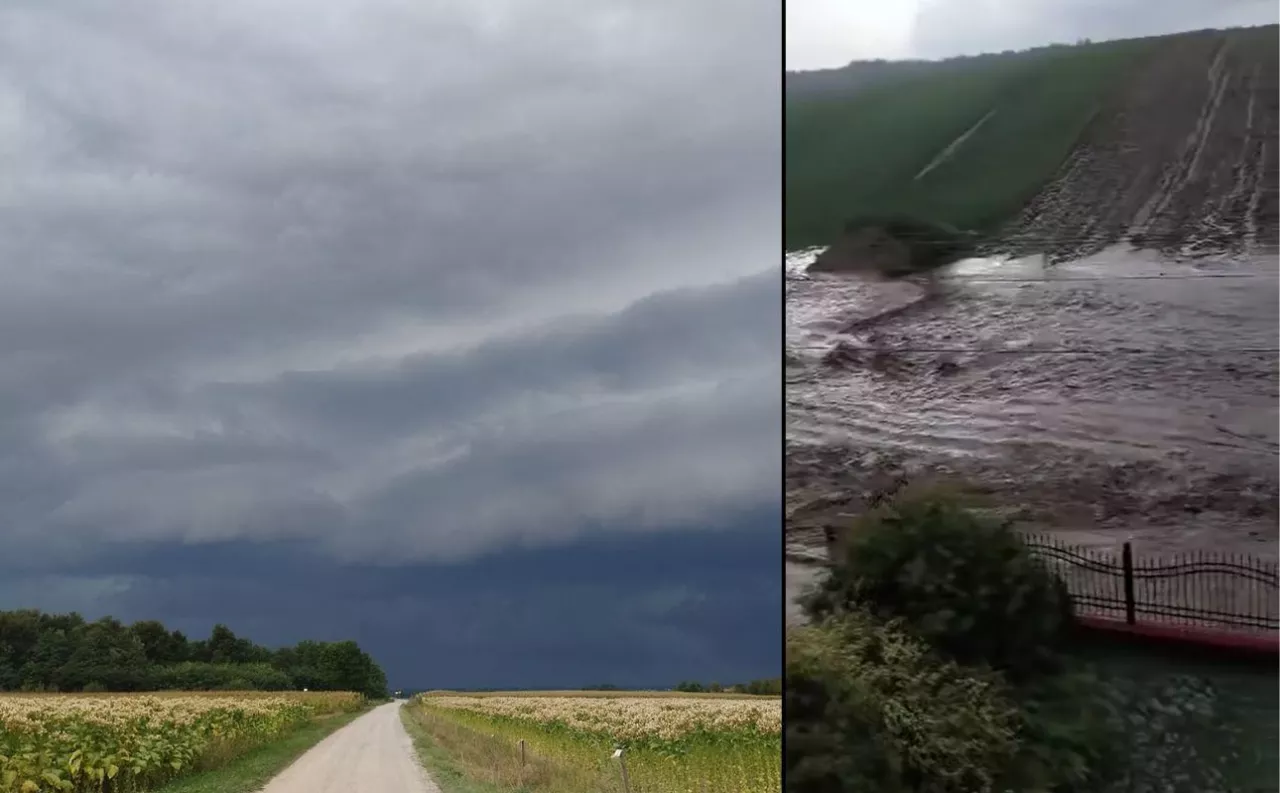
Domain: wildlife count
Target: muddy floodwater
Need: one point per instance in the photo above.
(1123, 396)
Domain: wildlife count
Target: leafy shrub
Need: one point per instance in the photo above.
(200, 676)
(871, 708)
(965, 583)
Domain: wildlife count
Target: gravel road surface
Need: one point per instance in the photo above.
(372, 754)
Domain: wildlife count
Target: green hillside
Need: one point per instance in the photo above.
(862, 152)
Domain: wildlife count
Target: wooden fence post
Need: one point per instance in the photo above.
(522, 762)
(1130, 607)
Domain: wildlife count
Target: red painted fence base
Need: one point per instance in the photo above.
(1239, 642)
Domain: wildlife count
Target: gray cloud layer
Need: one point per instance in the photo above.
(402, 280)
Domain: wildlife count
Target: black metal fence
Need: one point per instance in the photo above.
(1192, 588)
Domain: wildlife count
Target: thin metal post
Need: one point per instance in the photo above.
(1130, 608)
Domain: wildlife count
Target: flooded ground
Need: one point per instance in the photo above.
(1123, 396)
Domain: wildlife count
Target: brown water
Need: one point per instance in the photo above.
(1117, 397)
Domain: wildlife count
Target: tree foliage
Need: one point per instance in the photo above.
(871, 708)
(965, 583)
(64, 652)
(771, 686)
(936, 635)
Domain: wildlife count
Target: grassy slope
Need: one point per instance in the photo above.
(252, 771)
(848, 156)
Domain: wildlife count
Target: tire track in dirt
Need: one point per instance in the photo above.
(1181, 159)
(372, 754)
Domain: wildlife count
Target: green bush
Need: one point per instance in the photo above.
(965, 583)
(967, 587)
(872, 709)
(201, 676)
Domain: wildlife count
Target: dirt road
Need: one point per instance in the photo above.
(372, 754)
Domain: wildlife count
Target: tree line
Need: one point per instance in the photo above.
(65, 652)
(770, 685)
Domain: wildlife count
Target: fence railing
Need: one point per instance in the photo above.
(1208, 589)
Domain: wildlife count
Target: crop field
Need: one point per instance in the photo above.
(671, 743)
(963, 146)
(95, 742)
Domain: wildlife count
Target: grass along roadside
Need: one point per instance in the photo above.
(254, 769)
(457, 759)
(463, 759)
(673, 744)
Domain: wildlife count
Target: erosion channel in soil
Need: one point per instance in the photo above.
(1107, 368)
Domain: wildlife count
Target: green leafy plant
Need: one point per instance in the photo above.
(871, 708)
(965, 583)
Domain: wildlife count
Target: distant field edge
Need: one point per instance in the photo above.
(604, 694)
(252, 771)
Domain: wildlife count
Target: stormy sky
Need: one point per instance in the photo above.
(823, 34)
(450, 327)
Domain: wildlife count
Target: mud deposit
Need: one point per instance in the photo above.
(1120, 396)
(1181, 159)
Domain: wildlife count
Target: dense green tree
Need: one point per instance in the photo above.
(42, 670)
(766, 686)
(159, 645)
(345, 667)
(106, 655)
(62, 652)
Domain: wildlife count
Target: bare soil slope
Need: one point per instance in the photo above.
(1182, 159)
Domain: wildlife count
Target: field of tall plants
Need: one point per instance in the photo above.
(669, 743)
(964, 145)
(110, 742)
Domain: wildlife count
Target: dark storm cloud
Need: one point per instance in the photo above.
(631, 609)
(384, 281)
